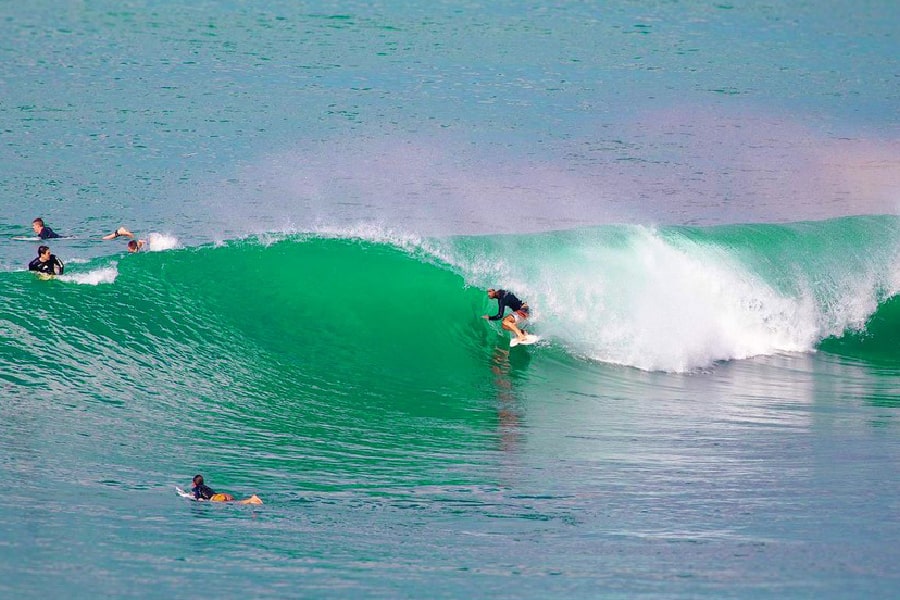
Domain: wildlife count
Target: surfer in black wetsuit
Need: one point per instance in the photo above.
(514, 321)
(204, 492)
(42, 231)
(200, 491)
(46, 263)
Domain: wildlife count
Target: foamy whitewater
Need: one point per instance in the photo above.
(697, 200)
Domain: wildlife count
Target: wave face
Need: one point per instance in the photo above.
(338, 313)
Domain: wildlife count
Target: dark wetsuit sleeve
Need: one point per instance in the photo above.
(47, 233)
(35, 265)
(499, 314)
(203, 492)
(501, 305)
(505, 299)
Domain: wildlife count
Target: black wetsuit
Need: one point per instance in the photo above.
(47, 233)
(203, 492)
(505, 299)
(52, 267)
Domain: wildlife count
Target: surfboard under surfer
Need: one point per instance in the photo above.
(514, 321)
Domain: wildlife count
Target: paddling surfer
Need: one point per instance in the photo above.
(42, 231)
(200, 491)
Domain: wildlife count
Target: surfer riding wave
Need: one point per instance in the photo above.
(516, 320)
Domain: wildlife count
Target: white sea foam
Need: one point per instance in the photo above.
(656, 303)
(106, 274)
(159, 242)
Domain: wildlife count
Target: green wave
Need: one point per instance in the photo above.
(877, 341)
(352, 315)
(347, 311)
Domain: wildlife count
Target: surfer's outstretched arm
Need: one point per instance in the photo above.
(121, 231)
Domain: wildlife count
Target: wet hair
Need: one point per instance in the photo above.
(133, 245)
(198, 479)
(38, 220)
(42, 249)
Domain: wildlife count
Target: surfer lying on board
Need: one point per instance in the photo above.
(42, 230)
(133, 245)
(514, 321)
(204, 492)
(46, 263)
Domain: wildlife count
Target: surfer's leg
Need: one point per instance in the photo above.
(520, 317)
(509, 324)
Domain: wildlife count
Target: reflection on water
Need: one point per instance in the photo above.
(508, 406)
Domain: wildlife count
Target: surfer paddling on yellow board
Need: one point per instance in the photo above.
(514, 321)
(204, 492)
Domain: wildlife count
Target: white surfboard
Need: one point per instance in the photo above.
(529, 339)
(183, 493)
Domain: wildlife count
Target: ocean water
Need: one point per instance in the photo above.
(698, 199)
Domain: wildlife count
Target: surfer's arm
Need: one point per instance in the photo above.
(500, 307)
(120, 231)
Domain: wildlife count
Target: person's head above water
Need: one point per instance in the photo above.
(133, 246)
(492, 293)
(37, 224)
(44, 253)
(197, 480)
